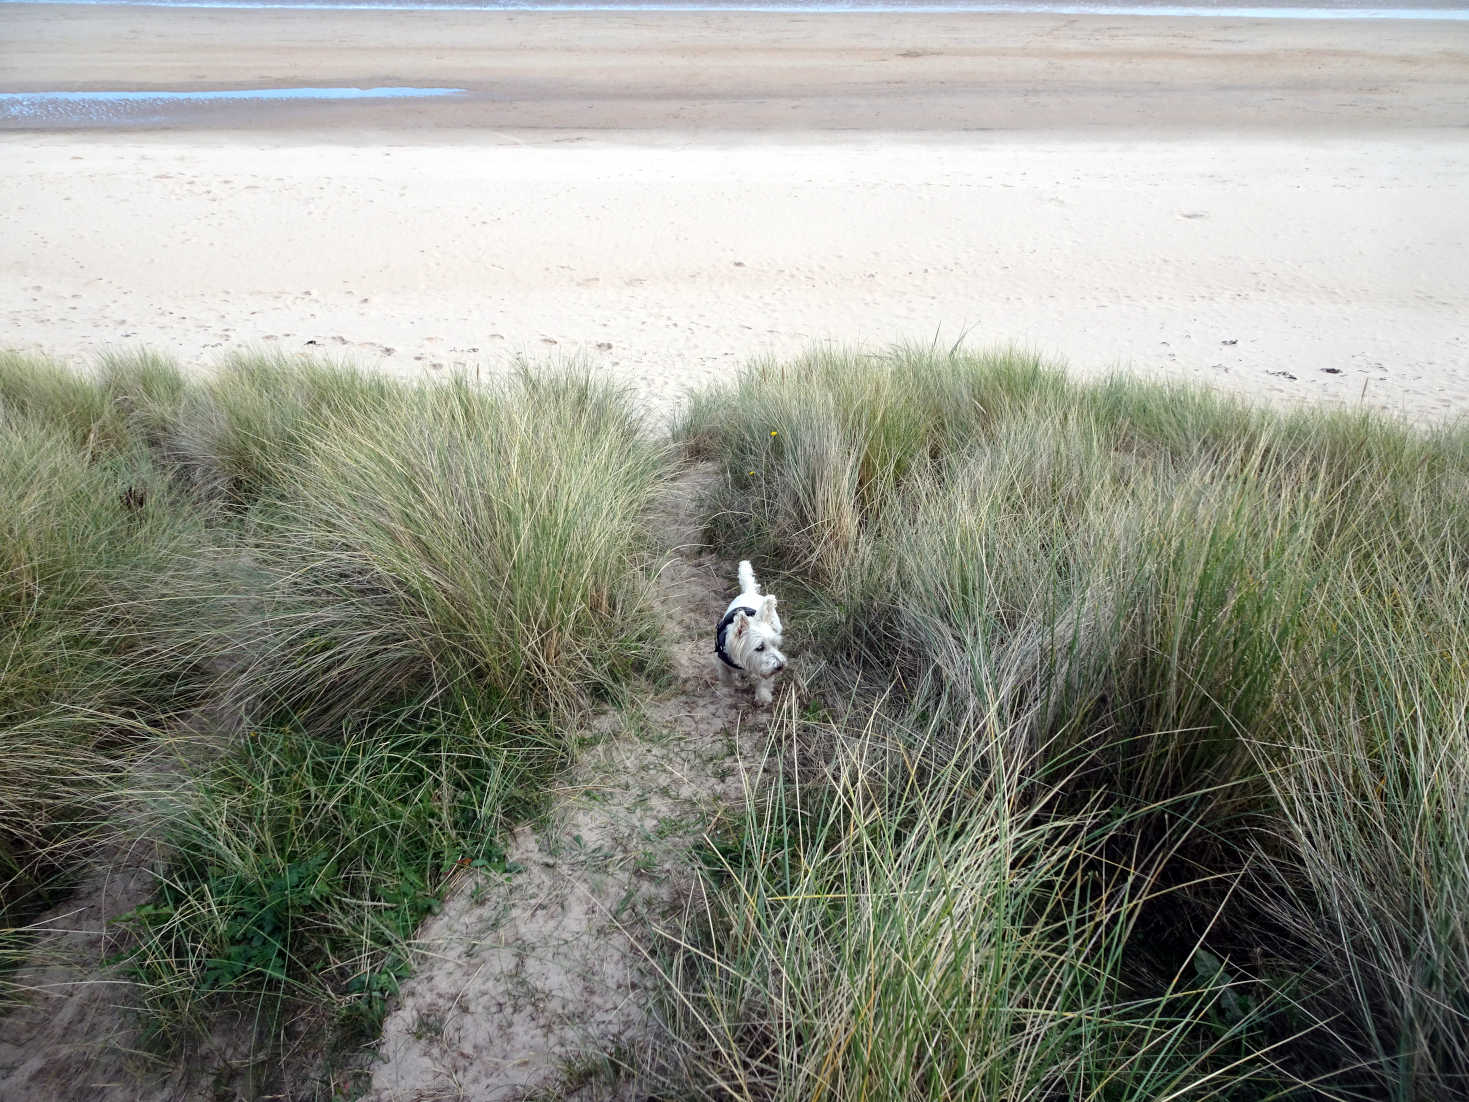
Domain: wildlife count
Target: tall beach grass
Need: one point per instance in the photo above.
(888, 923)
(87, 519)
(1239, 630)
(1134, 764)
(316, 635)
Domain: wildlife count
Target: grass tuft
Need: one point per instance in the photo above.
(1161, 611)
(885, 928)
(317, 637)
(81, 528)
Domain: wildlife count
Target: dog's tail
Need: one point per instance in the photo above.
(747, 578)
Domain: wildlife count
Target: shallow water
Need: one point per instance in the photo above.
(142, 107)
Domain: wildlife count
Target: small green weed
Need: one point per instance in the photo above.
(303, 864)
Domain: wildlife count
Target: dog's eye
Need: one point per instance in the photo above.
(760, 647)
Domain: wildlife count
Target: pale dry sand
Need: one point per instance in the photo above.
(1231, 260)
(1273, 207)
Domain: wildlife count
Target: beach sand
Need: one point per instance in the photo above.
(1274, 207)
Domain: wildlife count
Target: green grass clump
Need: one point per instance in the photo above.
(455, 543)
(869, 424)
(235, 432)
(1149, 599)
(78, 668)
(891, 925)
(314, 635)
(302, 865)
(129, 401)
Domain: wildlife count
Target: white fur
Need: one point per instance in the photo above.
(753, 641)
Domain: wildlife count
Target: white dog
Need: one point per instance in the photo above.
(747, 641)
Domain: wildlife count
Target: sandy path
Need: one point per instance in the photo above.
(1241, 261)
(545, 984)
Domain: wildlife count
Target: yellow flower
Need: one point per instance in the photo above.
(774, 433)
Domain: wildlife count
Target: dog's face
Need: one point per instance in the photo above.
(754, 641)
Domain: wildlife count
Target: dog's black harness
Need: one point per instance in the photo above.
(720, 633)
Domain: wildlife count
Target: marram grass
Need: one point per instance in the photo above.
(880, 928)
(460, 542)
(1153, 786)
(316, 635)
(1144, 599)
(82, 526)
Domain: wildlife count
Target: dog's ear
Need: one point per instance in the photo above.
(741, 625)
(767, 609)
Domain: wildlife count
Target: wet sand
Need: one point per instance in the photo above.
(766, 72)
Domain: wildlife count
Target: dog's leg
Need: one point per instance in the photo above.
(726, 675)
(764, 690)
